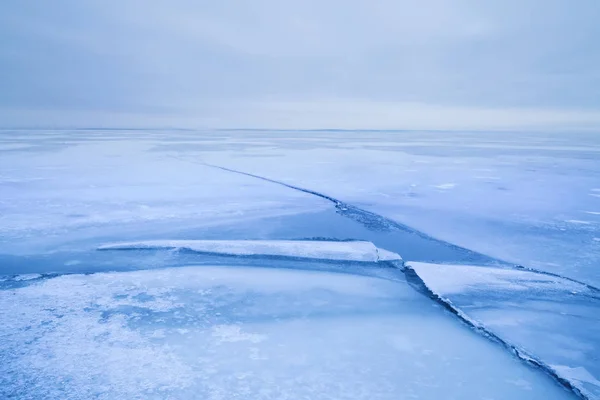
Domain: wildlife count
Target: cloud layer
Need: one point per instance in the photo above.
(434, 64)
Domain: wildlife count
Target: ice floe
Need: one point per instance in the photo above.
(325, 250)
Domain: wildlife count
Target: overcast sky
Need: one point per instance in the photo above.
(429, 64)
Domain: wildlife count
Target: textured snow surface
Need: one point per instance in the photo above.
(325, 250)
(554, 320)
(247, 333)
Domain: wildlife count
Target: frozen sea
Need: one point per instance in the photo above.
(260, 265)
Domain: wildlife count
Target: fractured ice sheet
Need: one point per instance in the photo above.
(246, 333)
(506, 195)
(511, 198)
(324, 250)
(554, 320)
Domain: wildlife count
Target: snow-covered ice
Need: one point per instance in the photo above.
(548, 318)
(456, 279)
(75, 187)
(324, 250)
(246, 332)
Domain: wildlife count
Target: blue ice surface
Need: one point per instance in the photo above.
(260, 330)
(71, 330)
(526, 198)
(546, 318)
(79, 255)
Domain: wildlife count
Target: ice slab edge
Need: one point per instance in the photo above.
(455, 280)
(364, 217)
(324, 250)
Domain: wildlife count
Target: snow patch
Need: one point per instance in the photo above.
(446, 186)
(26, 277)
(233, 333)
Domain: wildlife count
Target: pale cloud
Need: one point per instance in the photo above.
(435, 64)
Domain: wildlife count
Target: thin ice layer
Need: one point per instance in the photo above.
(551, 319)
(324, 250)
(247, 333)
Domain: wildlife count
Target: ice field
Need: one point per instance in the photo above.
(289, 265)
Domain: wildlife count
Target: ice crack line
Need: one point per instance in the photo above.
(321, 195)
(378, 222)
(366, 218)
(416, 282)
(370, 219)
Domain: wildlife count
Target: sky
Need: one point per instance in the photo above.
(368, 64)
